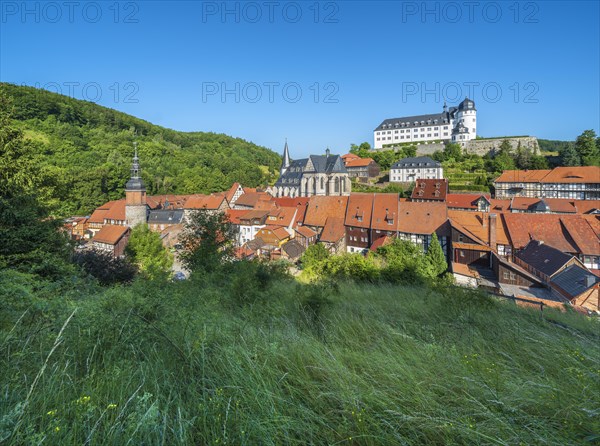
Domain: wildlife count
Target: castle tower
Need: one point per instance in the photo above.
(467, 114)
(135, 195)
(286, 159)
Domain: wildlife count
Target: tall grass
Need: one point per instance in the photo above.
(186, 363)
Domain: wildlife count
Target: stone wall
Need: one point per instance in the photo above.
(483, 146)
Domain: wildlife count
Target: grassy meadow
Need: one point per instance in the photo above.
(225, 359)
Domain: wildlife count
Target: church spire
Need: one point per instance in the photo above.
(286, 158)
(135, 181)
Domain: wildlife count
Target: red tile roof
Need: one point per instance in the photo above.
(333, 231)
(381, 241)
(476, 225)
(555, 204)
(568, 233)
(251, 199)
(210, 202)
(301, 203)
(305, 231)
(110, 234)
(234, 215)
(358, 162)
(359, 210)
(464, 201)
(586, 174)
(281, 216)
(430, 189)
(522, 176)
(231, 192)
(349, 156)
(422, 218)
(320, 208)
(116, 211)
(98, 215)
(385, 212)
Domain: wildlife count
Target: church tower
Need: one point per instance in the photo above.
(286, 159)
(135, 195)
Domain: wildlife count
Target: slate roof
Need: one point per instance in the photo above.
(542, 257)
(313, 164)
(419, 161)
(166, 216)
(255, 244)
(409, 121)
(293, 249)
(574, 280)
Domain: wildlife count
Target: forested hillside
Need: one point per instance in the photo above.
(84, 152)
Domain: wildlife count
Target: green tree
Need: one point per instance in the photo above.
(146, 251)
(453, 151)
(503, 161)
(569, 156)
(314, 256)
(207, 241)
(435, 257)
(31, 240)
(586, 147)
(505, 147)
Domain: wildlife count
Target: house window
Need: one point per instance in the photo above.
(505, 275)
(462, 253)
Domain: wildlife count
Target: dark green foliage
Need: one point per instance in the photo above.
(145, 249)
(314, 256)
(569, 156)
(84, 150)
(108, 270)
(587, 148)
(207, 241)
(435, 257)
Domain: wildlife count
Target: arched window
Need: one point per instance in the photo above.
(322, 183)
(343, 185)
(337, 185)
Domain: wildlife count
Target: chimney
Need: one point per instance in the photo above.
(493, 232)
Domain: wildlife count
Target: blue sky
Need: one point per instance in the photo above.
(321, 74)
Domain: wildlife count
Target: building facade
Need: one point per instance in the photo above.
(316, 175)
(408, 170)
(457, 124)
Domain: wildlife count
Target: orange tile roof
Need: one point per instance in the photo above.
(359, 210)
(301, 203)
(349, 156)
(279, 232)
(476, 225)
(251, 199)
(234, 215)
(522, 176)
(333, 231)
(98, 215)
(385, 212)
(359, 162)
(210, 202)
(555, 204)
(430, 189)
(320, 208)
(585, 174)
(568, 233)
(381, 241)
(422, 218)
(499, 205)
(160, 201)
(116, 211)
(470, 246)
(110, 234)
(464, 201)
(585, 206)
(281, 216)
(231, 192)
(464, 270)
(305, 231)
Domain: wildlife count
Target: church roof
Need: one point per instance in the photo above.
(313, 164)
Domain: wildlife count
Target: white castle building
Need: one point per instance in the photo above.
(457, 124)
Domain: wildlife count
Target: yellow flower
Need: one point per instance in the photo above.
(56, 429)
(51, 412)
(112, 406)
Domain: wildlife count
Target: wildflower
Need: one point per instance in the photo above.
(51, 413)
(111, 406)
(56, 429)
(83, 400)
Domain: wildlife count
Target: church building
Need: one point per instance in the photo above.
(136, 209)
(321, 175)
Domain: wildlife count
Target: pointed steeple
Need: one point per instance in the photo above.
(445, 107)
(135, 181)
(286, 158)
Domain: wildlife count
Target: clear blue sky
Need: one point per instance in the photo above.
(539, 62)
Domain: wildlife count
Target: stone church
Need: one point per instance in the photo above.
(323, 175)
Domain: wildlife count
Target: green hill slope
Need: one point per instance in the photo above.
(186, 364)
(85, 152)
